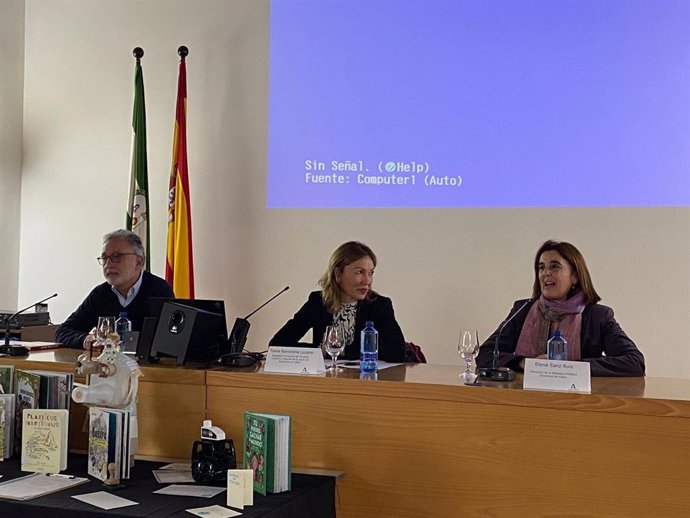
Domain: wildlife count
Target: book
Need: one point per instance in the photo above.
(7, 416)
(55, 389)
(28, 392)
(7, 379)
(267, 451)
(45, 435)
(108, 442)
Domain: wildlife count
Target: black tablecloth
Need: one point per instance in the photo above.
(311, 497)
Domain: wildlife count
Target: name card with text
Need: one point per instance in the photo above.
(295, 360)
(559, 375)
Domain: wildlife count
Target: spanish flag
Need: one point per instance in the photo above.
(179, 267)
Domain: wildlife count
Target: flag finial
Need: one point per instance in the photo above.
(138, 53)
(183, 51)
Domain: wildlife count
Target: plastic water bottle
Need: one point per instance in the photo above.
(369, 348)
(557, 347)
(122, 326)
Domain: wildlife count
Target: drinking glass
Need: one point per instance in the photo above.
(333, 344)
(468, 347)
(105, 328)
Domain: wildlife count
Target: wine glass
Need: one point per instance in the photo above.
(333, 343)
(468, 347)
(104, 330)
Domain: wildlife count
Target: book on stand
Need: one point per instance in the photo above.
(7, 416)
(45, 435)
(267, 451)
(108, 442)
(40, 389)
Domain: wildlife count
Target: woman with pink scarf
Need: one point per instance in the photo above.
(563, 298)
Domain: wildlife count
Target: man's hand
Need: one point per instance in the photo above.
(96, 350)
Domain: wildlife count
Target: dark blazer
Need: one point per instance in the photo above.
(102, 302)
(602, 343)
(314, 315)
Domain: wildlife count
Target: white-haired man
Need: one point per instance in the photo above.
(128, 288)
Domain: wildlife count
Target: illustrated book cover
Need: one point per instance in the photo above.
(267, 451)
(7, 417)
(45, 435)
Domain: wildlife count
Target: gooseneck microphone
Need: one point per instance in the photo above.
(238, 335)
(495, 372)
(18, 350)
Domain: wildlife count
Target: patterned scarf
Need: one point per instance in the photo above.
(345, 318)
(566, 315)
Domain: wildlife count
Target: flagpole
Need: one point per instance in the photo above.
(138, 201)
(179, 268)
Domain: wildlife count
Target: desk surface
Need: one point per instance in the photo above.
(310, 496)
(418, 442)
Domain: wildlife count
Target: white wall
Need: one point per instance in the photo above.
(11, 104)
(444, 269)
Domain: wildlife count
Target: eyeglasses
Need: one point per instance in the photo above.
(113, 258)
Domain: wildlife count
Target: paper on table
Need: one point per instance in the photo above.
(354, 364)
(37, 484)
(171, 476)
(200, 491)
(214, 511)
(105, 500)
(178, 466)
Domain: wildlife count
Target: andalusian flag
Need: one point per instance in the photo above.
(179, 267)
(138, 201)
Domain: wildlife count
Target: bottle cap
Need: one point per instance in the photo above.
(123, 314)
(369, 323)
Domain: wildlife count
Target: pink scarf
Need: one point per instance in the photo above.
(567, 314)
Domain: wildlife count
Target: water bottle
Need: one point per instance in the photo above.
(369, 349)
(122, 326)
(557, 347)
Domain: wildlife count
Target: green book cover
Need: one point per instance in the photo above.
(7, 379)
(28, 391)
(3, 427)
(7, 402)
(256, 451)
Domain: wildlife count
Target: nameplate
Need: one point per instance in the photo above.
(541, 374)
(295, 360)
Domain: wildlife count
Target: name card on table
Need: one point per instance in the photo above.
(295, 360)
(541, 374)
(240, 488)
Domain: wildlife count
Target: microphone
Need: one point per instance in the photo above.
(495, 372)
(238, 335)
(18, 350)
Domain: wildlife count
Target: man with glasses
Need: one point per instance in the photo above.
(127, 288)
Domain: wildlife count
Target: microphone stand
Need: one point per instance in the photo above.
(17, 350)
(496, 373)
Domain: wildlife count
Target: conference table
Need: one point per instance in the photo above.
(418, 442)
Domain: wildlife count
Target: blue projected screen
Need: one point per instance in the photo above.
(466, 103)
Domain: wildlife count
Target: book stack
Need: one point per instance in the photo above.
(41, 389)
(267, 451)
(109, 443)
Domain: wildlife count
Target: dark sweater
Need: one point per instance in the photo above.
(102, 302)
(314, 315)
(603, 343)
